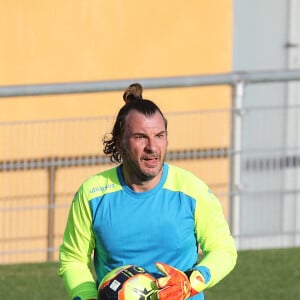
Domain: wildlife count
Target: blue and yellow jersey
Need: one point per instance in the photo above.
(165, 224)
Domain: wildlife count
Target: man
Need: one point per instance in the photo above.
(147, 213)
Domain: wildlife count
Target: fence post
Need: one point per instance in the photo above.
(236, 157)
(51, 204)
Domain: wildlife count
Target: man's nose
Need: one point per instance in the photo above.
(151, 144)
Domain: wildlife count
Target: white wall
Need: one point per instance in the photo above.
(269, 199)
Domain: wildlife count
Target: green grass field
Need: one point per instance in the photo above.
(264, 274)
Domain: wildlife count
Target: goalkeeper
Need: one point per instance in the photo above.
(145, 212)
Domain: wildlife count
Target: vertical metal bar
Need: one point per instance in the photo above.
(51, 203)
(291, 176)
(235, 158)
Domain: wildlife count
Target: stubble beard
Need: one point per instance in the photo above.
(135, 168)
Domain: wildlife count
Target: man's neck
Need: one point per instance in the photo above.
(138, 185)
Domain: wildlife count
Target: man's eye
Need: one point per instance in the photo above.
(139, 137)
(162, 135)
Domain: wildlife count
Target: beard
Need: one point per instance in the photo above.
(141, 169)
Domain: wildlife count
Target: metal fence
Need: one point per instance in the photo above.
(254, 174)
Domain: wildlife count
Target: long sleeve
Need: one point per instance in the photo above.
(214, 237)
(76, 249)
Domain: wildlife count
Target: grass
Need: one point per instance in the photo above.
(31, 281)
(263, 274)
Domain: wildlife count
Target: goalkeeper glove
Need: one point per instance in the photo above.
(177, 285)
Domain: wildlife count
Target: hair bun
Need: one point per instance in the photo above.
(133, 92)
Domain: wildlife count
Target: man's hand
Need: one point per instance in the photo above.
(177, 285)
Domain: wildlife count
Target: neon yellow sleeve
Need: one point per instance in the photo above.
(214, 237)
(76, 249)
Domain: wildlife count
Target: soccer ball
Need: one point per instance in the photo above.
(129, 282)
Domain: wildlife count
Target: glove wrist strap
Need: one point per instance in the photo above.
(197, 281)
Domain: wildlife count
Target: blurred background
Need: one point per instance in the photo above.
(225, 73)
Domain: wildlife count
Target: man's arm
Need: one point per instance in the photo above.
(214, 237)
(76, 249)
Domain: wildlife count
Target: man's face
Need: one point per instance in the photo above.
(143, 146)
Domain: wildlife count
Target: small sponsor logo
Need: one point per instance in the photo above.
(101, 188)
(115, 285)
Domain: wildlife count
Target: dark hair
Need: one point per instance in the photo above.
(133, 101)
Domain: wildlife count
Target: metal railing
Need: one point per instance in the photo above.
(237, 80)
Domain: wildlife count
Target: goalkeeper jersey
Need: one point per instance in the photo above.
(168, 223)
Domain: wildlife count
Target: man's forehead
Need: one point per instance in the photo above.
(137, 121)
(134, 117)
